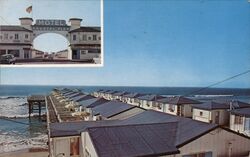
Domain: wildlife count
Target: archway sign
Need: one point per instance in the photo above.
(84, 41)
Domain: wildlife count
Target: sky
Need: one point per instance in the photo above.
(152, 43)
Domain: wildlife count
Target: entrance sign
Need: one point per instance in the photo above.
(42, 22)
(50, 28)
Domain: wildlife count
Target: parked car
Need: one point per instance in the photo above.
(8, 59)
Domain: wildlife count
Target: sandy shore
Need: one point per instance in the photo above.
(33, 152)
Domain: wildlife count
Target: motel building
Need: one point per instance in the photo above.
(84, 42)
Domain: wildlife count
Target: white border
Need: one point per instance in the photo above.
(69, 65)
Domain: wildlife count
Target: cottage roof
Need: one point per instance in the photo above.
(134, 140)
(211, 105)
(111, 108)
(214, 105)
(150, 97)
(13, 28)
(178, 100)
(121, 93)
(86, 97)
(158, 133)
(133, 95)
(241, 112)
(78, 98)
(90, 103)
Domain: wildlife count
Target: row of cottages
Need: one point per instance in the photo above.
(217, 112)
(149, 133)
(175, 105)
(94, 108)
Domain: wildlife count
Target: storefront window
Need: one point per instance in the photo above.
(14, 52)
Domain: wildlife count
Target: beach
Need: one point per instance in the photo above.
(37, 152)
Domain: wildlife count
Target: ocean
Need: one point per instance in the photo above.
(17, 131)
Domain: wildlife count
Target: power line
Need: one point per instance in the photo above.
(219, 82)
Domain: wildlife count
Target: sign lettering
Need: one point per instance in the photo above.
(42, 22)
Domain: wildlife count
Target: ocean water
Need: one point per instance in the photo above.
(18, 132)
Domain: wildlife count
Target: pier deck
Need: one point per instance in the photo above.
(36, 103)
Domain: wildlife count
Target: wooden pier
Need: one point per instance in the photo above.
(36, 103)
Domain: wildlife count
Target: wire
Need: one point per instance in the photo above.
(219, 82)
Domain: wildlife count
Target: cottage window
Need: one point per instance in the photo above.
(171, 107)
(238, 120)
(26, 36)
(201, 113)
(1, 37)
(5, 36)
(94, 37)
(74, 146)
(74, 37)
(99, 38)
(84, 37)
(16, 36)
(247, 124)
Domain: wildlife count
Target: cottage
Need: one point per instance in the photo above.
(132, 98)
(216, 112)
(240, 120)
(177, 105)
(149, 101)
(114, 110)
(149, 133)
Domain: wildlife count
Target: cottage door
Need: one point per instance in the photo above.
(217, 117)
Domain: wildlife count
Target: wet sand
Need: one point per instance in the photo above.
(33, 152)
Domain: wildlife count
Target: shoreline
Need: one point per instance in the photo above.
(28, 152)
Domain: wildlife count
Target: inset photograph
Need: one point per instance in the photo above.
(51, 33)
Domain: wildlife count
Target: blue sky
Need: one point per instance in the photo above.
(156, 43)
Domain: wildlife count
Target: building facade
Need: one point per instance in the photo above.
(84, 42)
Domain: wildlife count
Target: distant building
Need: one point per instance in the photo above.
(37, 54)
(63, 54)
(240, 120)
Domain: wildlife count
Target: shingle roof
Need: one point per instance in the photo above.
(211, 106)
(150, 97)
(74, 95)
(75, 128)
(13, 28)
(234, 103)
(187, 128)
(86, 97)
(90, 103)
(134, 140)
(111, 108)
(78, 98)
(133, 95)
(242, 112)
(222, 104)
(164, 133)
(121, 93)
(178, 100)
(87, 29)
